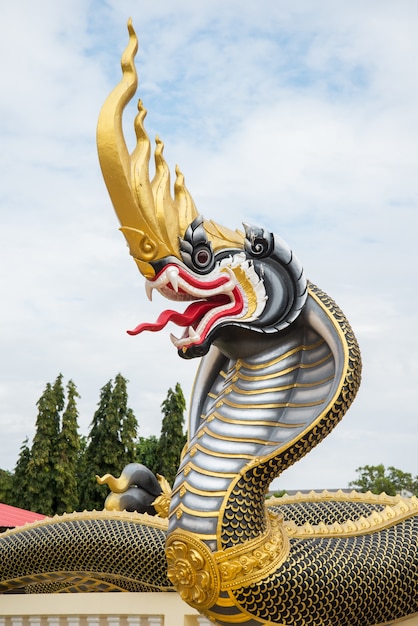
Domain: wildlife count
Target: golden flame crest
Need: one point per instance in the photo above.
(150, 218)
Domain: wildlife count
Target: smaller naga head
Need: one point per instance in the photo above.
(233, 281)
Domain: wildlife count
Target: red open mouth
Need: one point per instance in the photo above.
(213, 300)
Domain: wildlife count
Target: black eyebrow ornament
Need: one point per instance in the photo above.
(195, 249)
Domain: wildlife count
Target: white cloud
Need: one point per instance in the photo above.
(301, 116)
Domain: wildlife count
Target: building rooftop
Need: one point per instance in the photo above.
(12, 516)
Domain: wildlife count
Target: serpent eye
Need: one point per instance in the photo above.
(202, 257)
(195, 249)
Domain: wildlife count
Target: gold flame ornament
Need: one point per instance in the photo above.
(151, 220)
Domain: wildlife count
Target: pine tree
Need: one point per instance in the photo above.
(44, 477)
(43, 462)
(20, 488)
(110, 444)
(92, 495)
(126, 422)
(81, 471)
(172, 439)
(67, 457)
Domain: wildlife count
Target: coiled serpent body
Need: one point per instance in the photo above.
(280, 368)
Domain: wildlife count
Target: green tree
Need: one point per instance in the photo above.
(92, 495)
(111, 443)
(20, 489)
(44, 453)
(172, 439)
(81, 470)
(45, 474)
(6, 486)
(127, 425)
(67, 455)
(378, 479)
(146, 452)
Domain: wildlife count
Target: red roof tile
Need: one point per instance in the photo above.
(11, 516)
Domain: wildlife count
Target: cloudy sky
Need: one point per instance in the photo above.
(299, 116)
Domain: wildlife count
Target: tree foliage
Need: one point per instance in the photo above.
(20, 493)
(147, 452)
(43, 479)
(57, 473)
(172, 439)
(67, 455)
(42, 466)
(378, 479)
(111, 443)
(6, 486)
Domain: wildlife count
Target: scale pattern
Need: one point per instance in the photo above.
(84, 555)
(249, 490)
(334, 580)
(325, 512)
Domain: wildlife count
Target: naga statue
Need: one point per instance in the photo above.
(279, 368)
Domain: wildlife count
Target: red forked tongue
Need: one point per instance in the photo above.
(193, 313)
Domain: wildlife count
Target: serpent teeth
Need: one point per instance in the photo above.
(148, 290)
(173, 277)
(190, 337)
(192, 334)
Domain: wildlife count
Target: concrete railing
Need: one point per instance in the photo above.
(98, 609)
(105, 609)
